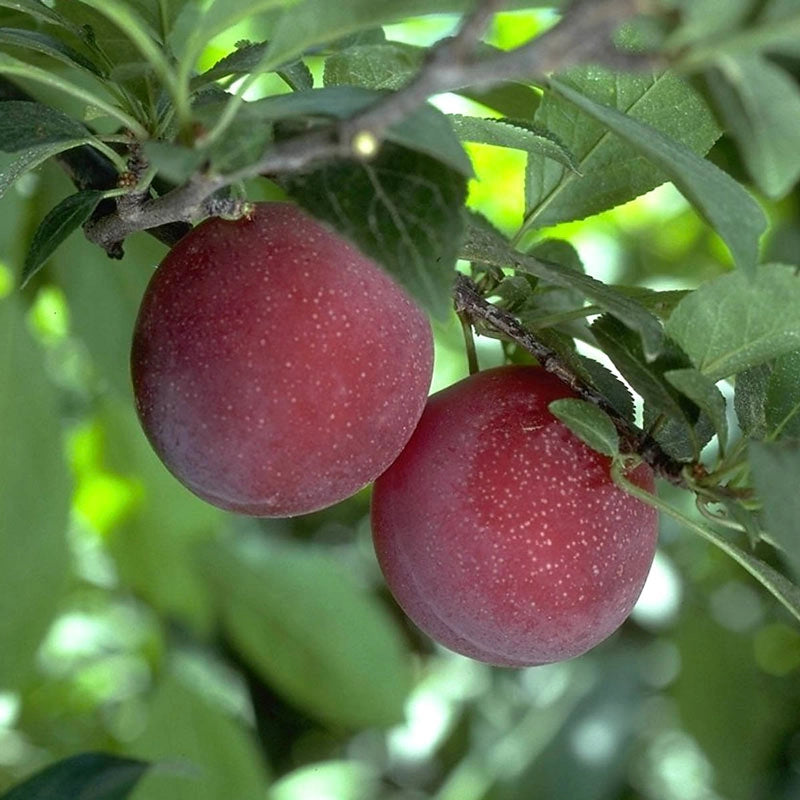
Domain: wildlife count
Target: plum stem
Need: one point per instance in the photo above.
(469, 343)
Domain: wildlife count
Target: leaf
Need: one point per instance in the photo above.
(514, 134)
(34, 498)
(322, 641)
(682, 440)
(174, 162)
(760, 105)
(144, 39)
(97, 105)
(611, 387)
(200, 22)
(31, 158)
(214, 755)
(48, 45)
(702, 391)
(153, 549)
(612, 170)
(775, 471)
(310, 23)
(720, 200)
(88, 776)
(660, 303)
(59, 223)
(219, 15)
(737, 321)
(488, 246)
(38, 10)
(402, 209)
(705, 20)
(589, 423)
(25, 124)
(624, 348)
(388, 65)
(782, 408)
(749, 400)
(342, 780)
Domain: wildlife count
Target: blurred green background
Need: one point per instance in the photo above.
(265, 658)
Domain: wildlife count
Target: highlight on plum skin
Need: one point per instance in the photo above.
(501, 534)
(276, 369)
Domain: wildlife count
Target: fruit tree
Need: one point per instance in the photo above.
(399, 399)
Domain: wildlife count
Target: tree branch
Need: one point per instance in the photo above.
(470, 303)
(583, 34)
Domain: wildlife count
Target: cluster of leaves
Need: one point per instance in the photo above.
(103, 74)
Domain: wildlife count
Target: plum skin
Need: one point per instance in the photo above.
(501, 534)
(277, 370)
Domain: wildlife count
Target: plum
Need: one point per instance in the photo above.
(501, 534)
(277, 370)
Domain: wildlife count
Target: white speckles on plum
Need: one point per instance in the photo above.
(293, 267)
(533, 517)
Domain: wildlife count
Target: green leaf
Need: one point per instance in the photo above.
(589, 423)
(660, 303)
(48, 45)
(782, 408)
(611, 387)
(388, 65)
(59, 223)
(737, 321)
(310, 23)
(97, 104)
(624, 348)
(246, 59)
(31, 158)
(215, 755)
(760, 105)
(612, 168)
(34, 498)
(144, 39)
(201, 22)
(684, 432)
(515, 134)
(88, 776)
(153, 548)
(749, 400)
(705, 20)
(174, 162)
(702, 391)
(343, 780)
(775, 471)
(310, 631)
(402, 209)
(25, 124)
(37, 10)
(488, 246)
(720, 200)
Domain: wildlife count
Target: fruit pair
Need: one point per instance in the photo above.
(277, 370)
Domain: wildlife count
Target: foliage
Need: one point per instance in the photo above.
(141, 623)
